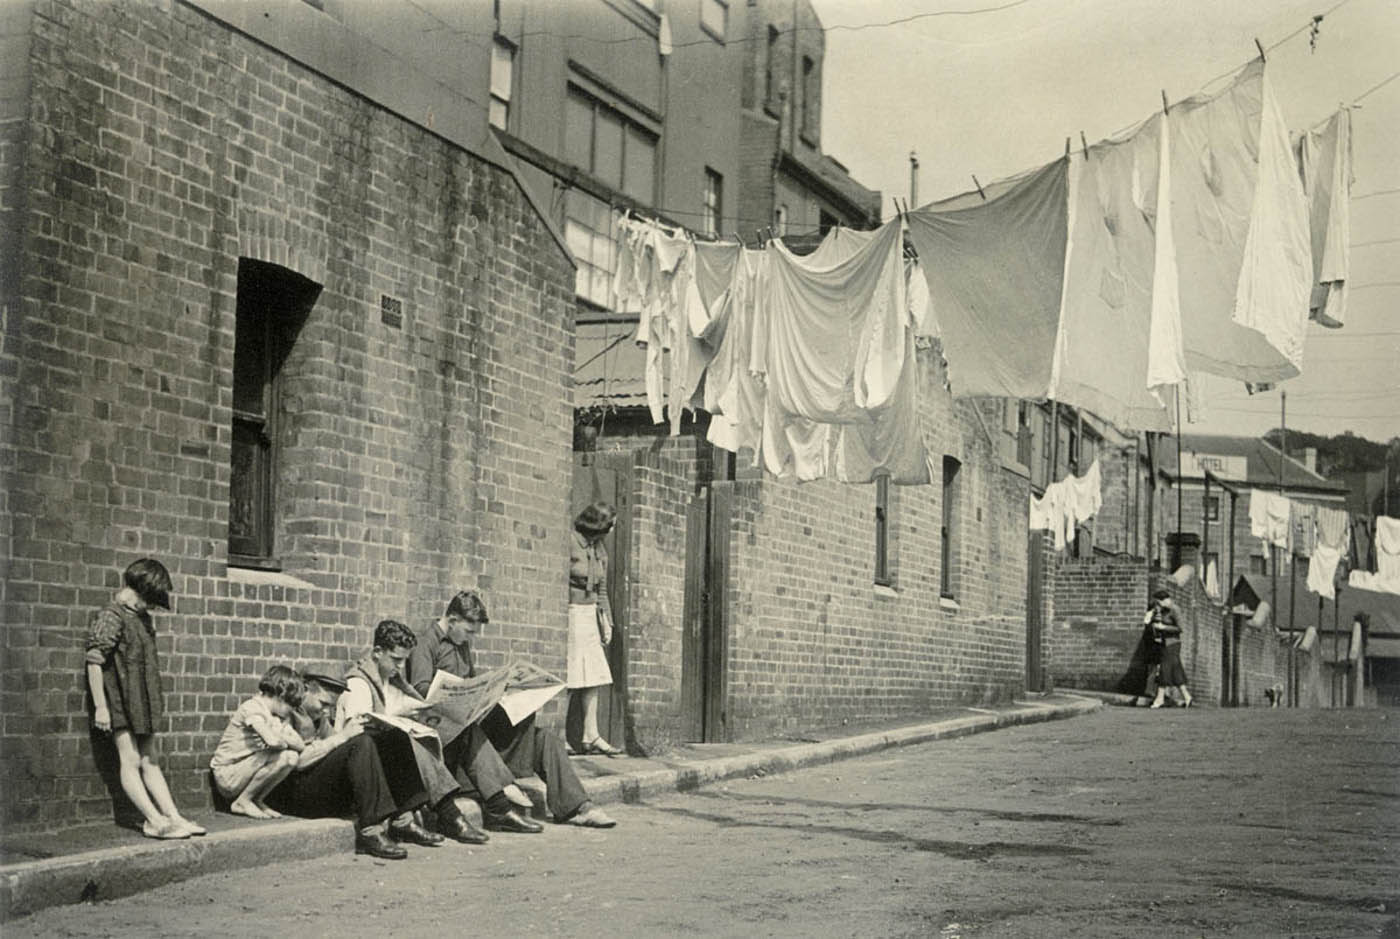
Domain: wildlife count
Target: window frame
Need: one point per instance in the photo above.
(806, 120)
(947, 584)
(713, 198)
(719, 34)
(883, 574)
(271, 301)
(1212, 508)
(629, 127)
(500, 43)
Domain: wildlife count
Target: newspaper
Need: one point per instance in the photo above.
(421, 732)
(520, 688)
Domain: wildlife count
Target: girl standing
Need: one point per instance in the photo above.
(123, 676)
(590, 627)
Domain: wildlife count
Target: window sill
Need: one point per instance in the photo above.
(248, 575)
(886, 592)
(948, 603)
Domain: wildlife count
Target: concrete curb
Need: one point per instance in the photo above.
(635, 787)
(122, 871)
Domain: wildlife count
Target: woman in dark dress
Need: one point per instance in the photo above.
(125, 694)
(1162, 618)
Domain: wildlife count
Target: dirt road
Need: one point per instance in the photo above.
(1122, 823)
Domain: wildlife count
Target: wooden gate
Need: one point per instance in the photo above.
(705, 640)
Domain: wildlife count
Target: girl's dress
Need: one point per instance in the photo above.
(588, 593)
(123, 642)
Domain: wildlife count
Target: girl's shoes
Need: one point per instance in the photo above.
(167, 831)
(601, 747)
(193, 828)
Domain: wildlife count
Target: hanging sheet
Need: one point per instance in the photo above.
(1387, 547)
(892, 443)
(1114, 340)
(1269, 516)
(995, 272)
(733, 396)
(1324, 162)
(832, 342)
(1240, 226)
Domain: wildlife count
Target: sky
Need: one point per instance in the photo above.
(994, 93)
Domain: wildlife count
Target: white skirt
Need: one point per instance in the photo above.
(588, 660)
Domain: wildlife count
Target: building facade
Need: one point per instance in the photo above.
(281, 315)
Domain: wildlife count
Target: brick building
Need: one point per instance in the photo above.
(277, 311)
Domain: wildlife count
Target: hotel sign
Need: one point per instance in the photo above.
(1235, 468)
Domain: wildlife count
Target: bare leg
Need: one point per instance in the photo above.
(590, 715)
(1161, 696)
(286, 762)
(1185, 695)
(132, 777)
(155, 780)
(268, 774)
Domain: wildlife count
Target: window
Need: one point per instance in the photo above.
(780, 217)
(948, 530)
(612, 148)
(1023, 433)
(714, 18)
(768, 66)
(809, 95)
(714, 202)
(882, 531)
(589, 234)
(1045, 451)
(826, 221)
(502, 75)
(1258, 564)
(272, 302)
(1212, 508)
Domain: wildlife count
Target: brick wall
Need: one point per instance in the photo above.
(1205, 629)
(1097, 619)
(417, 459)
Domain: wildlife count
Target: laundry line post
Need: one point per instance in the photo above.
(1273, 548)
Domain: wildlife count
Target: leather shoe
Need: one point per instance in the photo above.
(512, 821)
(414, 833)
(459, 829)
(377, 844)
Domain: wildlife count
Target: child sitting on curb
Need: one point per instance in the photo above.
(259, 746)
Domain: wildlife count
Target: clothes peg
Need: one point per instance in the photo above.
(1067, 147)
(979, 187)
(1166, 108)
(1260, 46)
(1085, 143)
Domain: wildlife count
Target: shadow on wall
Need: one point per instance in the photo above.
(104, 758)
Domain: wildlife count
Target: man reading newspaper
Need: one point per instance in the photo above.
(375, 689)
(487, 722)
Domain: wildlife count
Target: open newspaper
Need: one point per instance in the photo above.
(417, 730)
(454, 704)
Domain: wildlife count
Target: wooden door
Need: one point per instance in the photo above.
(1035, 591)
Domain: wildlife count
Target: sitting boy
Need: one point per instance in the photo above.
(259, 747)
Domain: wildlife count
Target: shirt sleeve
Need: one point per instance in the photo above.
(356, 699)
(601, 587)
(104, 632)
(268, 727)
(419, 669)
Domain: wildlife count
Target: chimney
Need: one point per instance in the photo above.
(1310, 458)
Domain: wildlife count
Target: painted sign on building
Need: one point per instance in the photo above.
(1225, 467)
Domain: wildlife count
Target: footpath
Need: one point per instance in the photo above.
(104, 862)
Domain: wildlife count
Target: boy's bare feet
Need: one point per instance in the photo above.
(268, 810)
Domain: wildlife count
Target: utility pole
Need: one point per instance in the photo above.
(913, 179)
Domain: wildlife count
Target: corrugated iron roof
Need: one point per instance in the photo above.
(1302, 610)
(609, 367)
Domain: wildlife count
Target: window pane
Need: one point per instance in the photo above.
(248, 490)
(578, 130)
(714, 16)
(498, 112)
(639, 180)
(249, 361)
(502, 60)
(579, 241)
(607, 163)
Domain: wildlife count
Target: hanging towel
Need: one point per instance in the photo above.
(794, 446)
(1086, 492)
(1269, 517)
(1105, 343)
(921, 316)
(733, 396)
(1324, 162)
(892, 443)
(995, 272)
(1387, 548)
(1240, 226)
(833, 343)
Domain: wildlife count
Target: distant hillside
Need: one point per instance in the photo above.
(1346, 454)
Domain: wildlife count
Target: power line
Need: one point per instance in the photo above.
(1378, 241)
(1376, 87)
(1372, 195)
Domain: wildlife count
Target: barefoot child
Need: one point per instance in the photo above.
(125, 694)
(260, 747)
